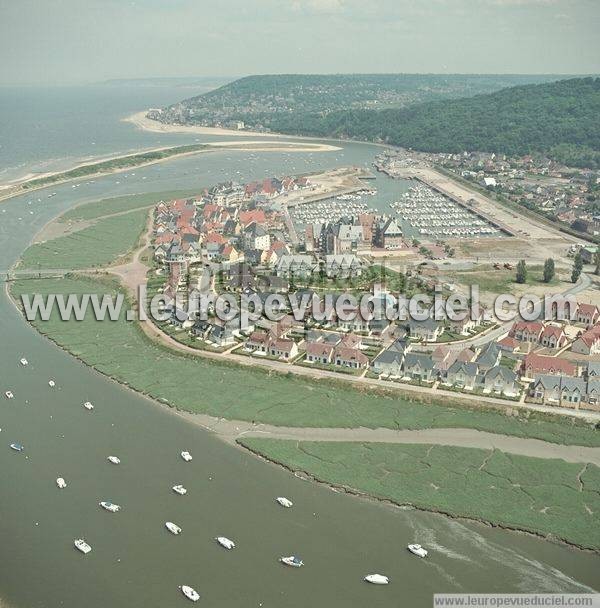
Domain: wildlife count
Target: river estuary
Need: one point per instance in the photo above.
(135, 562)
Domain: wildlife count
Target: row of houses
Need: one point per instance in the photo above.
(566, 391)
(304, 266)
(467, 370)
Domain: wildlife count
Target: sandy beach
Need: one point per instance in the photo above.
(140, 120)
(16, 187)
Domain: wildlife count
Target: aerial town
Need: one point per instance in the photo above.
(275, 236)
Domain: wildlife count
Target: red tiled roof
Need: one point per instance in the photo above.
(256, 215)
(319, 349)
(591, 335)
(553, 330)
(533, 327)
(258, 337)
(509, 343)
(540, 364)
(587, 309)
(350, 354)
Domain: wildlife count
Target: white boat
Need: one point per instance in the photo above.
(293, 560)
(225, 542)
(82, 546)
(190, 593)
(61, 483)
(88, 406)
(179, 489)
(24, 361)
(110, 506)
(377, 579)
(173, 528)
(51, 383)
(17, 447)
(284, 502)
(114, 460)
(9, 395)
(186, 456)
(417, 550)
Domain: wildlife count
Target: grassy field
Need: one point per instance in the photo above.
(108, 206)
(500, 281)
(120, 349)
(97, 245)
(547, 497)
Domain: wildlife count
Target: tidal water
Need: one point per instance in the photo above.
(135, 561)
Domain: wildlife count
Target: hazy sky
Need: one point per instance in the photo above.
(62, 41)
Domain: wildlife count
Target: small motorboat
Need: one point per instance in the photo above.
(417, 550)
(51, 383)
(284, 502)
(225, 542)
(82, 546)
(377, 579)
(61, 483)
(186, 456)
(114, 460)
(17, 447)
(173, 528)
(110, 506)
(9, 395)
(24, 361)
(88, 405)
(179, 489)
(293, 560)
(190, 593)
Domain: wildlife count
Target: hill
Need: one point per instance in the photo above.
(559, 119)
(262, 101)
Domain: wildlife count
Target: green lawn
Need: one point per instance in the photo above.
(533, 494)
(108, 206)
(119, 349)
(98, 245)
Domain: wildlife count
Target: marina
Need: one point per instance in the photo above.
(329, 210)
(436, 216)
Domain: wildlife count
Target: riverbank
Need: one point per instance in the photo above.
(283, 400)
(547, 498)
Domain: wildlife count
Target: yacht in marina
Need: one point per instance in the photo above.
(186, 456)
(225, 542)
(110, 506)
(417, 550)
(173, 528)
(114, 460)
(88, 405)
(284, 502)
(179, 489)
(293, 560)
(82, 546)
(61, 483)
(377, 579)
(190, 593)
